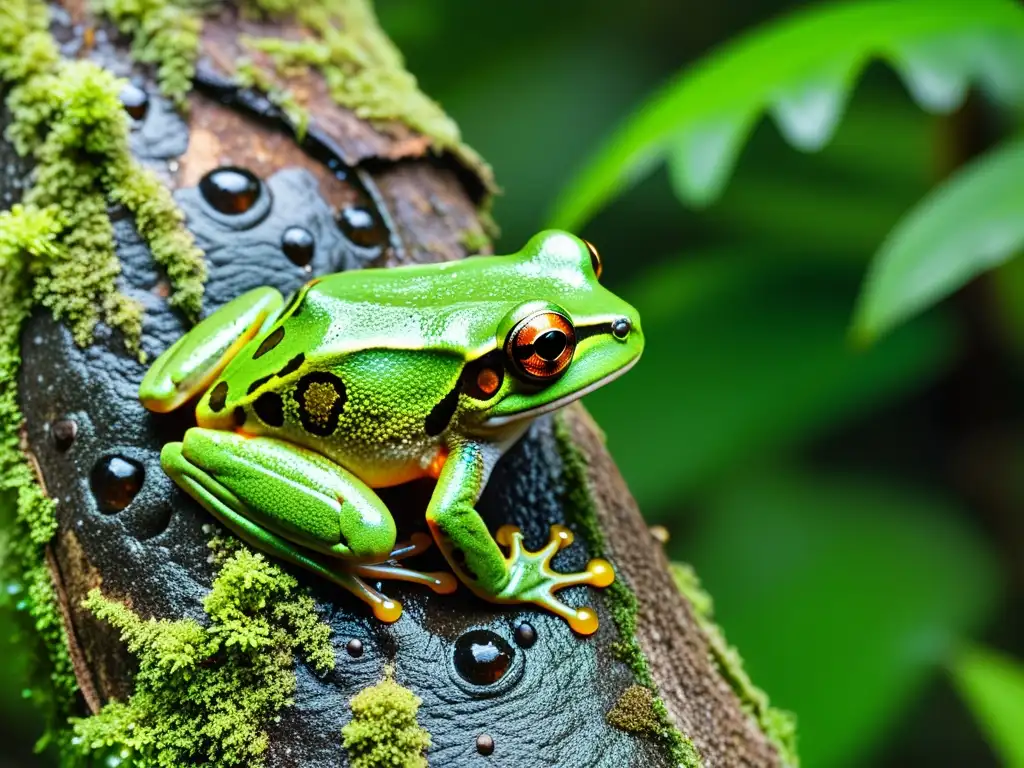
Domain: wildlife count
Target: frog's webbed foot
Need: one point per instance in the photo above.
(532, 580)
(441, 582)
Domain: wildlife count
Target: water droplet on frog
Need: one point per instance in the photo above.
(135, 101)
(526, 635)
(361, 226)
(298, 245)
(64, 432)
(484, 744)
(482, 657)
(115, 481)
(230, 190)
(354, 648)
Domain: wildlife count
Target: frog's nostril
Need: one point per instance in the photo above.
(621, 328)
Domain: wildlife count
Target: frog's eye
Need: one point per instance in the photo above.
(541, 346)
(595, 259)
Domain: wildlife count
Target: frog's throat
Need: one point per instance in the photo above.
(554, 405)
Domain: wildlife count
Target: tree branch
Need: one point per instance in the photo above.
(374, 188)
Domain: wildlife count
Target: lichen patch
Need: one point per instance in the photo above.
(634, 712)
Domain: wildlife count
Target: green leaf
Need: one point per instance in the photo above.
(970, 224)
(801, 69)
(993, 687)
(744, 355)
(844, 594)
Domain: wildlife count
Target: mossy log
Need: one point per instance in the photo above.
(247, 673)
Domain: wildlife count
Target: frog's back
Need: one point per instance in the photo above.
(442, 307)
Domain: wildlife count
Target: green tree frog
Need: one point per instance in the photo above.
(376, 377)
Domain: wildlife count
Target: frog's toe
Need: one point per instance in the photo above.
(532, 580)
(383, 607)
(388, 611)
(440, 582)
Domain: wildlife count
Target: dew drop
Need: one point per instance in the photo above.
(526, 635)
(135, 101)
(115, 481)
(484, 744)
(230, 190)
(298, 245)
(354, 647)
(64, 432)
(482, 657)
(361, 226)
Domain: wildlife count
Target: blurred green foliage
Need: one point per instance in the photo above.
(994, 687)
(856, 513)
(969, 225)
(800, 69)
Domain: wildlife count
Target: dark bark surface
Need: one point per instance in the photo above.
(549, 710)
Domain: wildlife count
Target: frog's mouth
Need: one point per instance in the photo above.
(554, 405)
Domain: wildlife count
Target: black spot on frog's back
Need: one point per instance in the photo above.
(292, 365)
(218, 397)
(441, 414)
(270, 408)
(275, 338)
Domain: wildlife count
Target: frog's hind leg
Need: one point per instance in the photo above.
(221, 503)
(441, 582)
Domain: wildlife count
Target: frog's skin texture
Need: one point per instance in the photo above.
(375, 378)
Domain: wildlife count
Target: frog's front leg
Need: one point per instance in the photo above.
(523, 576)
(297, 505)
(191, 364)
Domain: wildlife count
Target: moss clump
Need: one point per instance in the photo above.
(164, 33)
(207, 693)
(57, 251)
(383, 730)
(28, 517)
(634, 711)
(580, 512)
(364, 71)
(68, 117)
(778, 725)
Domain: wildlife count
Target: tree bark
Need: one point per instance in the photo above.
(552, 708)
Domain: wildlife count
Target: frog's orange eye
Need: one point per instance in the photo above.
(541, 346)
(595, 259)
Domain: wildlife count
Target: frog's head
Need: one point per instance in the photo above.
(564, 336)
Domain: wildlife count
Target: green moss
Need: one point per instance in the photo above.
(68, 117)
(634, 712)
(383, 730)
(581, 513)
(364, 71)
(208, 693)
(164, 33)
(778, 725)
(57, 251)
(28, 520)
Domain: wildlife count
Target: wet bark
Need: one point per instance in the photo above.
(550, 709)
